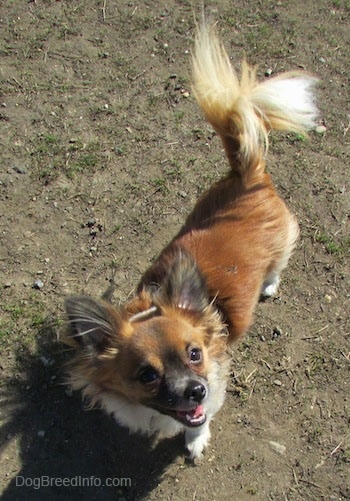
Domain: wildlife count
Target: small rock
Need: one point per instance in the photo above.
(322, 60)
(45, 361)
(320, 129)
(268, 72)
(173, 76)
(91, 222)
(186, 94)
(20, 170)
(276, 332)
(7, 285)
(281, 449)
(277, 382)
(41, 433)
(328, 298)
(183, 194)
(38, 284)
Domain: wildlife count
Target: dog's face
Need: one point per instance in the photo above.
(161, 355)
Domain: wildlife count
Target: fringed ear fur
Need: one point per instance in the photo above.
(184, 286)
(91, 323)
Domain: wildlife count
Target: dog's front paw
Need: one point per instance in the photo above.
(197, 440)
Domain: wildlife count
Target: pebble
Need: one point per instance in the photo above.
(91, 222)
(38, 284)
(320, 129)
(41, 433)
(277, 382)
(20, 170)
(328, 298)
(46, 361)
(281, 449)
(276, 332)
(268, 72)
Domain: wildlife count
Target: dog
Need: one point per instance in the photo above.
(160, 364)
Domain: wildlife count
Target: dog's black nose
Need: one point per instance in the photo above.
(195, 391)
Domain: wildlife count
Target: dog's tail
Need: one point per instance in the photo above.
(244, 111)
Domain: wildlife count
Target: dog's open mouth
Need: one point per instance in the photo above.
(189, 417)
(193, 417)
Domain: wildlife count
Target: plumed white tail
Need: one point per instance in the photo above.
(244, 111)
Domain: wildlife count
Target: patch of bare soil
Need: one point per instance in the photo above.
(103, 153)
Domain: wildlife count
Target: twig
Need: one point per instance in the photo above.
(321, 330)
(136, 76)
(336, 449)
(310, 483)
(266, 363)
(247, 379)
(66, 56)
(252, 389)
(104, 10)
(295, 477)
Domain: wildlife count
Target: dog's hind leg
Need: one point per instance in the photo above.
(270, 286)
(272, 280)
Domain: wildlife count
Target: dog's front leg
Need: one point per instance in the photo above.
(197, 439)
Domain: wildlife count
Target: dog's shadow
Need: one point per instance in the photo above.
(66, 452)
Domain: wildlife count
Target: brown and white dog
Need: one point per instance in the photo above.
(159, 364)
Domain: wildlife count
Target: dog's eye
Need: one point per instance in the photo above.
(148, 375)
(195, 355)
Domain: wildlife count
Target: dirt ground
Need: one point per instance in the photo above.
(103, 153)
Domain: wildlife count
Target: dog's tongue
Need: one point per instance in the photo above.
(193, 416)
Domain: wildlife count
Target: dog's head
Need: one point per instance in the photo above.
(158, 350)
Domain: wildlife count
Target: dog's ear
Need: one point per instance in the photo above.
(184, 286)
(91, 323)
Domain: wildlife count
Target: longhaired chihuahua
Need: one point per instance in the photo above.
(159, 364)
